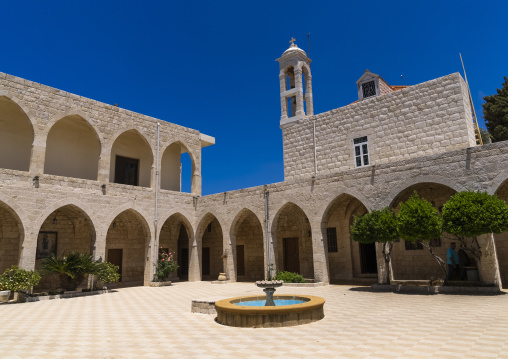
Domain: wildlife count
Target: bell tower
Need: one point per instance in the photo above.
(295, 85)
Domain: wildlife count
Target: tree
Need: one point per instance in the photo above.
(495, 113)
(486, 137)
(471, 214)
(377, 226)
(418, 221)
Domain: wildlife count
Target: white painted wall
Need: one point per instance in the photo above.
(16, 136)
(72, 149)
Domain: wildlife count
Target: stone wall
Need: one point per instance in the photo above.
(424, 119)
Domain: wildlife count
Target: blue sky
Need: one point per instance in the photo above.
(211, 65)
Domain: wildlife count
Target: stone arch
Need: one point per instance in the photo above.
(131, 159)
(412, 261)
(210, 247)
(17, 134)
(498, 182)
(73, 148)
(292, 240)
(64, 229)
(248, 245)
(392, 197)
(171, 167)
(12, 234)
(128, 242)
(73, 112)
(176, 235)
(347, 259)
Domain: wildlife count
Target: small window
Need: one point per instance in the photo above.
(126, 170)
(210, 227)
(361, 151)
(331, 235)
(369, 89)
(410, 246)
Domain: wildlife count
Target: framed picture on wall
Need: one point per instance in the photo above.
(46, 244)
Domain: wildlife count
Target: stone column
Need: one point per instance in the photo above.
(308, 95)
(104, 167)
(299, 92)
(194, 260)
(229, 246)
(28, 251)
(283, 104)
(489, 266)
(38, 154)
(319, 255)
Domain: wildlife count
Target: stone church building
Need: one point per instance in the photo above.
(80, 175)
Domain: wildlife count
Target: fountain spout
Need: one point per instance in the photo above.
(269, 288)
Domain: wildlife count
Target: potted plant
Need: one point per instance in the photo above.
(16, 279)
(71, 268)
(165, 266)
(105, 272)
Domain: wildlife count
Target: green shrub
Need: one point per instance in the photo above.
(289, 277)
(165, 266)
(17, 279)
(73, 268)
(107, 272)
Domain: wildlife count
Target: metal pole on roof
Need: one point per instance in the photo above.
(475, 121)
(308, 44)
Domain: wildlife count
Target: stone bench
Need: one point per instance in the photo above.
(205, 305)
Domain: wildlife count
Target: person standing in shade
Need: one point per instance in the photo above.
(452, 260)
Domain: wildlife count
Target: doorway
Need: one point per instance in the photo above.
(291, 255)
(115, 256)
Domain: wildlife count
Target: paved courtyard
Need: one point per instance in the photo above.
(157, 323)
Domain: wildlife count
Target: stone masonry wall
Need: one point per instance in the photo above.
(420, 120)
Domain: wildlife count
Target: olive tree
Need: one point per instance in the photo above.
(377, 227)
(418, 221)
(471, 214)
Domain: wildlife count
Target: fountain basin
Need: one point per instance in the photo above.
(230, 312)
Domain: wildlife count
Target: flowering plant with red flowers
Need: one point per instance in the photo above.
(165, 266)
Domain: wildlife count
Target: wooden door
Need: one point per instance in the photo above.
(115, 256)
(205, 262)
(291, 255)
(368, 260)
(240, 260)
(183, 263)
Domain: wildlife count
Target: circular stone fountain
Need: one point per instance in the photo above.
(270, 311)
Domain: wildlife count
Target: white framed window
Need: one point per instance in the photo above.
(361, 147)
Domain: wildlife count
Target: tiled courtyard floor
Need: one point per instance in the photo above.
(145, 322)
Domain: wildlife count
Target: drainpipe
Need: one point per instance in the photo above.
(314, 138)
(267, 223)
(155, 244)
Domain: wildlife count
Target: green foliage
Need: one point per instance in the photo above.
(289, 277)
(376, 226)
(165, 265)
(418, 220)
(107, 272)
(495, 113)
(485, 136)
(73, 268)
(17, 279)
(72, 265)
(470, 214)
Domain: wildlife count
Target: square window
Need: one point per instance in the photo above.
(369, 89)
